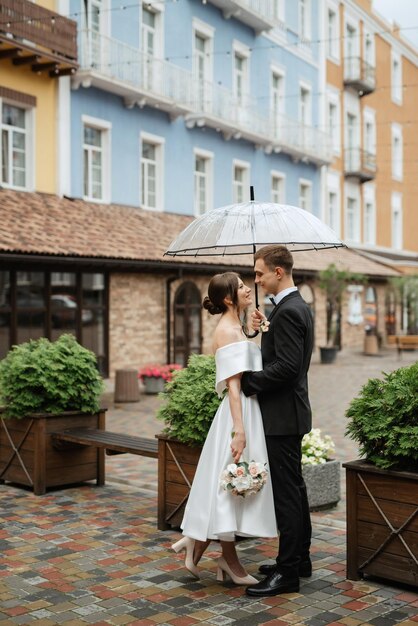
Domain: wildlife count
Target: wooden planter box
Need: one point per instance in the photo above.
(177, 464)
(382, 523)
(27, 456)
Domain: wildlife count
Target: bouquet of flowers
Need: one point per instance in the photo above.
(316, 449)
(159, 371)
(243, 478)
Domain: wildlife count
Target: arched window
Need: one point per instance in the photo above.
(187, 323)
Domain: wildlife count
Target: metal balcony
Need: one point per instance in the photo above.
(240, 118)
(360, 164)
(301, 141)
(359, 75)
(139, 78)
(34, 36)
(258, 14)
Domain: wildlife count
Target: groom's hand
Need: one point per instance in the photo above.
(256, 318)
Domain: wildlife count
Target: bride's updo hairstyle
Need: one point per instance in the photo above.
(220, 287)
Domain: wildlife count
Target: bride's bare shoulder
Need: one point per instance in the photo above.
(224, 335)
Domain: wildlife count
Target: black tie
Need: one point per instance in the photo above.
(272, 300)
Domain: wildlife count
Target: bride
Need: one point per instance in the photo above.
(236, 431)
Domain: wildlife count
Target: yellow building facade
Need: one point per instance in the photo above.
(371, 103)
(38, 47)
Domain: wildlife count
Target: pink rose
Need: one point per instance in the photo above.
(253, 469)
(240, 471)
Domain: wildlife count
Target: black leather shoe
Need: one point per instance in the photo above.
(273, 585)
(305, 569)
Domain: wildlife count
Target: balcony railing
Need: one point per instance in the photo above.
(33, 35)
(360, 75)
(260, 15)
(360, 164)
(239, 117)
(139, 78)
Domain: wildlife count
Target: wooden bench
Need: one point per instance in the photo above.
(113, 443)
(406, 342)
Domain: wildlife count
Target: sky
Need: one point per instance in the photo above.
(404, 12)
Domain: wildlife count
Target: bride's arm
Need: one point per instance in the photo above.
(238, 442)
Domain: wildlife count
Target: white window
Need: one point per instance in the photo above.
(397, 221)
(333, 33)
(202, 181)
(334, 120)
(152, 178)
(202, 61)
(96, 159)
(352, 220)
(304, 19)
(332, 215)
(369, 215)
(96, 16)
(370, 134)
(278, 191)
(305, 114)
(397, 152)
(15, 146)
(351, 51)
(241, 181)
(151, 46)
(305, 195)
(278, 10)
(396, 78)
(277, 99)
(369, 49)
(240, 84)
(352, 142)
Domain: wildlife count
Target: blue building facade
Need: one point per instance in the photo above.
(181, 106)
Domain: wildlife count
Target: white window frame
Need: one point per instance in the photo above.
(369, 199)
(241, 50)
(351, 68)
(306, 184)
(333, 98)
(369, 44)
(30, 113)
(159, 143)
(279, 10)
(277, 114)
(207, 32)
(280, 176)
(369, 119)
(396, 81)
(352, 192)
(305, 27)
(334, 187)
(333, 38)
(244, 165)
(158, 10)
(208, 158)
(397, 222)
(397, 152)
(106, 127)
(307, 88)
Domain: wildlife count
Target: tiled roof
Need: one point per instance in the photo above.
(37, 223)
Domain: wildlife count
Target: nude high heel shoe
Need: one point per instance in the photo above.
(187, 544)
(224, 569)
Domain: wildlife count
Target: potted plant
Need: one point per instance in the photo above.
(334, 282)
(46, 387)
(189, 405)
(154, 377)
(382, 489)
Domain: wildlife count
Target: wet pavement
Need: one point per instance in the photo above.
(93, 555)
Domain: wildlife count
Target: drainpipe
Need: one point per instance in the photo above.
(170, 280)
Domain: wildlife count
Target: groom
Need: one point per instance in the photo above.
(282, 391)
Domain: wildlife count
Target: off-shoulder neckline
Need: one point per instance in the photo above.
(233, 343)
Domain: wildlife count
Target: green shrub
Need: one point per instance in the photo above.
(190, 401)
(49, 377)
(384, 420)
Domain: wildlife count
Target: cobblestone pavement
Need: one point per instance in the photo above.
(88, 555)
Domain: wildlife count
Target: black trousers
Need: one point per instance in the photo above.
(290, 502)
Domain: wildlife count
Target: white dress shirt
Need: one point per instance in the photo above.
(282, 294)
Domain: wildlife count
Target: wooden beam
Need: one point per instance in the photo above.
(66, 71)
(9, 53)
(44, 67)
(33, 58)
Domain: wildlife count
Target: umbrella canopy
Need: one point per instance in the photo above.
(242, 228)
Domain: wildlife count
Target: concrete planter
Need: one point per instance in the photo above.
(153, 385)
(323, 484)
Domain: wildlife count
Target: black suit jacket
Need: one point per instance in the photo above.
(282, 385)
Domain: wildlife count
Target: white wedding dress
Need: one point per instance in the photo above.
(211, 512)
